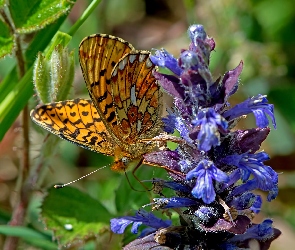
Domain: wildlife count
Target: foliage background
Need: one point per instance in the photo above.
(261, 33)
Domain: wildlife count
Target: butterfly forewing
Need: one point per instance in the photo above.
(98, 56)
(136, 95)
(77, 121)
(126, 102)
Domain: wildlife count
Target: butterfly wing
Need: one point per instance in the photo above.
(137, 97)
(76, 121)
(98, 56)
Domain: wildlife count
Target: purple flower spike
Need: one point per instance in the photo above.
(164, 59)
(258, 105)
(205, 172)
(215, 169)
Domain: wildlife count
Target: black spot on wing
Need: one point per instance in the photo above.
(108, 106)
(111, 116)
(83, 104)
(77, 122)
(89, 124)
(102, 72)
(93, 140)
(103, 97)
(97, 119)
(71, 105)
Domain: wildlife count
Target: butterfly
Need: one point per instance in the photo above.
(125, 106)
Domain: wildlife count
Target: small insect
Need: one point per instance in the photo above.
(125, 105)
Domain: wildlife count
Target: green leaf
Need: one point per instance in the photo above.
(22, 232)
(2, 2)
(6, 40)
(29, 235)
(73, 216)
(41, 243)
(33, 15)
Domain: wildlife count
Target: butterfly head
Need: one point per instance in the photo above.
(125, 163)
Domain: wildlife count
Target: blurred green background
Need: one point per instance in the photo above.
(261, 33)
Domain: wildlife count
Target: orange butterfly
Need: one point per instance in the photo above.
(125, 105)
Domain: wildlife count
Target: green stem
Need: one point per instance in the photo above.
(83, 17)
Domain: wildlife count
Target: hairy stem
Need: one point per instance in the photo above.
(20, 208)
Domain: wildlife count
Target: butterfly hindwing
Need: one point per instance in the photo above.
(76, 121)
(136, 95)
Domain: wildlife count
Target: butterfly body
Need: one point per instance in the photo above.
(125, 105)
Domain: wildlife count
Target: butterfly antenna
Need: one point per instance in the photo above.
(71, 182)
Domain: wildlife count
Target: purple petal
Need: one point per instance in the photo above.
(174, 202)
(258, 105)
(164, 59)
(170, 84)
(118, 225)
(250, 140)
(231, 80)
(165, 158)
(146, 243)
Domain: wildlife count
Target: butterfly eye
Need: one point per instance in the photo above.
(125, 160)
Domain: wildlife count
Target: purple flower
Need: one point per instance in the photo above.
(261, 232)
(174, 202)
(258, 105)
(257, 204)
(265, 177)
(208, 216)
(196, 31)
(118, 225)
(211, 123)
(189, 60)
(178, 187)
(169, 122)
(164, 59)
(205, 172)
(244, 201)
